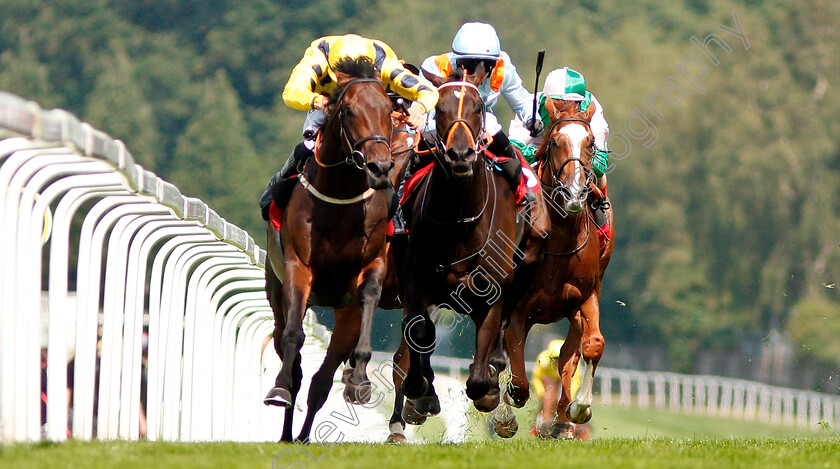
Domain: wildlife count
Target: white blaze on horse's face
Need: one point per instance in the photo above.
(577, 134)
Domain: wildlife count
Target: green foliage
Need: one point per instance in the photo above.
(725, 224)
(214, 158)
(814, 324)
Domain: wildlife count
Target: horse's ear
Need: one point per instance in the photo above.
(588, 113)
(436, 80)
(551, 107)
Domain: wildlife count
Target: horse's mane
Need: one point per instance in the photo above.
(359, 67)
(456, 75)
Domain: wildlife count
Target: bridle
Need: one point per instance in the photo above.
(558, 186)
(547, 164)
(355, 156)
(440, 146)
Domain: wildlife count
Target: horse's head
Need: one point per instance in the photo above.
(359, 117)
(459, 118)
(566, 154)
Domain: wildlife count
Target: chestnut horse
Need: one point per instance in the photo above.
(331, 249)
(568, 280)
(459, 257)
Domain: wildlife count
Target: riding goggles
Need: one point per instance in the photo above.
(470, 64)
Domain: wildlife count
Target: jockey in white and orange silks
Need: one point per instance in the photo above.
(477, 46)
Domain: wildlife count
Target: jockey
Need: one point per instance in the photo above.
(478, 44)
(314, 78)
(567, 84)
(545, 384)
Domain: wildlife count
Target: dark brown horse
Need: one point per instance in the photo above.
(459, 257)
(331, 249)
(568, 280)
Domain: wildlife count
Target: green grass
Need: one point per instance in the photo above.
(531, 454)
(621, 438)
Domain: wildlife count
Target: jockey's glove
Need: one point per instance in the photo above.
(535, 126)
(600, 162)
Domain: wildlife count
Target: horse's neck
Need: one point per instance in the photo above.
(333, 175)
(569, 229)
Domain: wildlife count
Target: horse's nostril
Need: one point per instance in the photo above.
(380, 168)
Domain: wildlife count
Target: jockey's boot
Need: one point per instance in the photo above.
(398, 218)
(511, 167)
(279, 187)
(599, 203)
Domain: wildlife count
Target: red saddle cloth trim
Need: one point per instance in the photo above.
(390, 230)
(275, 215)
(415, 178)
(414, 181)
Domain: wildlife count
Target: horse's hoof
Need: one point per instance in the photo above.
(515, 401)
(578, 413)
(563, 431)
(280, 397)
(396, 439)
(488, 403)
(357, 394)
(506, 429)
(427, 405)
(410, 392)
(410, 414)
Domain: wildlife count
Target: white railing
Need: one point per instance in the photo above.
(709, 395)
(142, 246)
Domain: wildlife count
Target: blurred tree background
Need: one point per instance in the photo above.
(726, 191)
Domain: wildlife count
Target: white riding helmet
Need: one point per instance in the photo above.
(476, 41)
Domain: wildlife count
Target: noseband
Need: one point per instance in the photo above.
(357, 157)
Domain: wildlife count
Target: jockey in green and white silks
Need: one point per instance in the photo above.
(567, 84)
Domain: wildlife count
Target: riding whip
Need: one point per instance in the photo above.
(540, 57)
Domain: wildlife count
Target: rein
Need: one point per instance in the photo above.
(488, 180)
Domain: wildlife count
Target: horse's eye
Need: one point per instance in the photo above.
(346, 112)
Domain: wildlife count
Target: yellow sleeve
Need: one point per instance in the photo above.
(303, 84)
(405, 83)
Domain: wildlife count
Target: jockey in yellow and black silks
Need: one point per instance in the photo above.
(314, 78)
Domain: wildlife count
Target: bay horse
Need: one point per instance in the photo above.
(461, 219)
(568, 279)
(331, 248)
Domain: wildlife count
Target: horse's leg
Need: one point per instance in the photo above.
(397, 423)
(274, 292)
(295, 295)
(591, 349)
(486, 337)
(358, 389)
(497, 366)
(416, 410)
(563, 428)
(518, 390)
(419, 334)
(347, 321)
